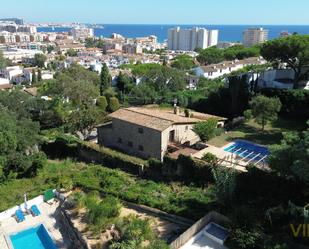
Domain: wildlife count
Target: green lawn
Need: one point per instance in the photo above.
(251, 131)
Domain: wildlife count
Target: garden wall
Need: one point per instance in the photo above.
(92, 153)
(184, 168)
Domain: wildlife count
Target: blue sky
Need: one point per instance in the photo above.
(160, 11)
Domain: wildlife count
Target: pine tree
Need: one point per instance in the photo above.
(3, 61)
(164, 62)
(39, 75)
(34, 78)
(105, 79)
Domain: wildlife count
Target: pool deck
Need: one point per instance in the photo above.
(227, 158)
(47, 218)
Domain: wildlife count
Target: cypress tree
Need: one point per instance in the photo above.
(105, 79)
(39, 75)
(34, 78)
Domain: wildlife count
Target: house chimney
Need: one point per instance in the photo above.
(176, 110)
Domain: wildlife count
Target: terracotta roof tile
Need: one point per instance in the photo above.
(158, 119)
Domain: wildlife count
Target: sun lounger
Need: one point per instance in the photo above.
(49, 196)
(35, 211)
(19, 215)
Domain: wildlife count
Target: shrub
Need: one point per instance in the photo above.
(187, 113)
(209, 158)
(113, 104)
(154, 167)
(101, 213)
(65, 147)
(248, 115)
(206, 129)
(225, 184)
(130, 244)
(133, 232)
(102, 103)
(135, 228)
(245, 239)
(219, 131)
(114, 159)
(65, 184)
(182, 100)
(80, 199)
(158, 244)
(194, 171)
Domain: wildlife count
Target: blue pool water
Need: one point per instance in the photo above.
(248, 150)
(33, 238)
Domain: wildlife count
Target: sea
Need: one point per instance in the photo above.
(231, 33)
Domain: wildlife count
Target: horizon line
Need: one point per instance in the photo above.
(167, 24)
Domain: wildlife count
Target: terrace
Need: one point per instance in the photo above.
(226, 158)
(48, 217)
(238, 154)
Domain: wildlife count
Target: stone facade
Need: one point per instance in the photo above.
(147, 132)
(142, 141)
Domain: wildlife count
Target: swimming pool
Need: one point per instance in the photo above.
(250, 151)
(33, 238)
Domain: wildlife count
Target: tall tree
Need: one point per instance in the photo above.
(292, 51)
(39, 75)
(50, 49)
(291, 157)
(72, 53)
(239, 93)
(83, 120)
(210, 55)
(225, 182)
(124, 83)
(183, 62)
(265, 109)
(105, 79)
(39, 60)
(3, 62)
(18, 140)
(34, 78)
(206, 129)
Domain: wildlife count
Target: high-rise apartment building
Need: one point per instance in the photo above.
(14, 28)
(17, 21)
(191, 39)
(254, 36)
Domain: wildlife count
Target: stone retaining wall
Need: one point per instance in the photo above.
(72, 233)
(183, 222)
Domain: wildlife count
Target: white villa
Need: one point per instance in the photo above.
(214, 71)
(281, 79)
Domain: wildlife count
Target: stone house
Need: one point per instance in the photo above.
(147, 132)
